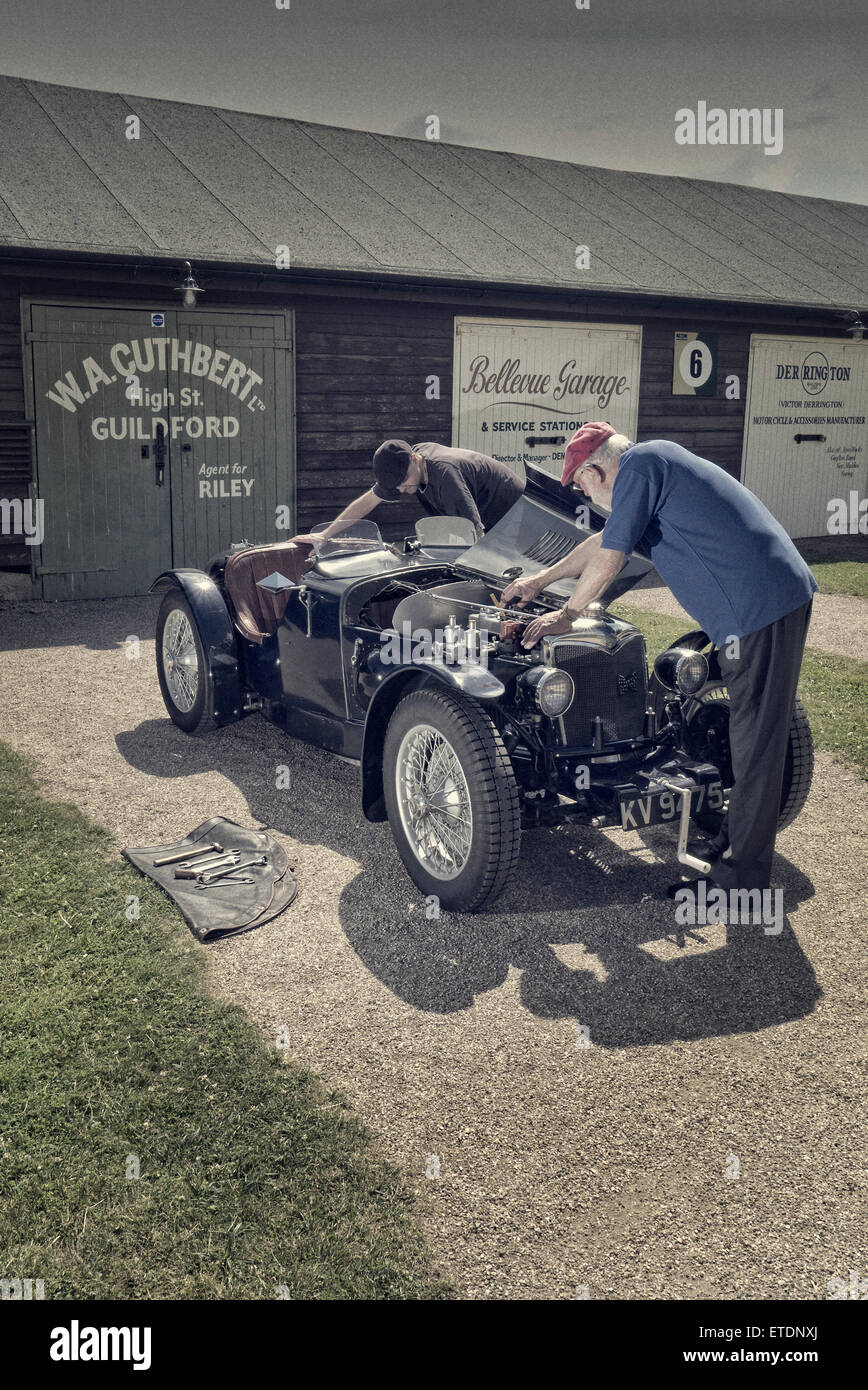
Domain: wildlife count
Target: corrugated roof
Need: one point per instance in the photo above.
(205, 184)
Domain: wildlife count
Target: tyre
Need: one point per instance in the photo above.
(451, 799)
(706, 738)
(181, 667)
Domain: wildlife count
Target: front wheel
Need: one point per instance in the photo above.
(451, 799)
(181, 668)
(706, 738)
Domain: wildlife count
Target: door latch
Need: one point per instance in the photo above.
(159, 454)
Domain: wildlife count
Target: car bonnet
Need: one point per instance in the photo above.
(534, 534)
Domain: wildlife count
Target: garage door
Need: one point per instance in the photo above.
(162, 436)
(806, 438)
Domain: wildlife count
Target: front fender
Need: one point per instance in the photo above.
(218, 639)
(473, 682)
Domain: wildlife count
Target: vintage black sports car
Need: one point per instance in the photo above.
(400, 657)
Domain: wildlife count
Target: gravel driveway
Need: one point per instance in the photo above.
(710, 1140)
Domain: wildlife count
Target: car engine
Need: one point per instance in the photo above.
(603, 657)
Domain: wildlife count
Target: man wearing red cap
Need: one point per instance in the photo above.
(735, 570)
(592, 457)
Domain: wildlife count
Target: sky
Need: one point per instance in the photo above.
(597, 86)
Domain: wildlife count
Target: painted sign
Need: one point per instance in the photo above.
(161, 412)
(521, 388)
(156, 445)
(806, 436)
(694, 364)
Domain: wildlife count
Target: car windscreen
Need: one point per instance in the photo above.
(456, 531)
(352, 538)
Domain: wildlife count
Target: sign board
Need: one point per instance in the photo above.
(806, 436)
(522, 387)
(694, 364)
(155, 446)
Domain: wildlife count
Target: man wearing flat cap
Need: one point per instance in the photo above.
(445, 482)
(733, 567)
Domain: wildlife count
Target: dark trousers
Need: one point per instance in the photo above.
(761, 682)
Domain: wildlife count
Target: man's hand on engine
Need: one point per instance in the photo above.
(520, 592)
(552, 625)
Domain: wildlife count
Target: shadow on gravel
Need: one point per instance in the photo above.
(574, 888)
(98, 624)
(626, 996)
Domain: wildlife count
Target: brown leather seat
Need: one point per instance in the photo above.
(257, 611)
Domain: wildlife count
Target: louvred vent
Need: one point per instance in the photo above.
(551, 547)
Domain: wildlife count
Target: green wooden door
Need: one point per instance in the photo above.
(108, 525)
(162, 436)
(233, 461)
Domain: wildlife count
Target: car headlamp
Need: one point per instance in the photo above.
(552, 691)
(681, 669)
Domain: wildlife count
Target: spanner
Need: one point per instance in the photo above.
(194, 869)
(205, 880)
(225, 882)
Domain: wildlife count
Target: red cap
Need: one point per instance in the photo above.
(583, 444)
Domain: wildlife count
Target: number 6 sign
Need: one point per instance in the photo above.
(694, 364)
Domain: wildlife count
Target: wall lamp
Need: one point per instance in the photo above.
(188, 289)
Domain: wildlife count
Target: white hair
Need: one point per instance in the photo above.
(609, 452)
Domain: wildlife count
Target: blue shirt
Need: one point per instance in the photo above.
(729, 563)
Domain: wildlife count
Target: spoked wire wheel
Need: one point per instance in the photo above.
(181, 668)
(434, 801)
(180, 661)
(451, 798)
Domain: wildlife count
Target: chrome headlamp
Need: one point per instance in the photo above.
(551, 691)
(681, 669)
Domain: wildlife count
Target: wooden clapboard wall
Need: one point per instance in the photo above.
(363, 353)
(16, 463)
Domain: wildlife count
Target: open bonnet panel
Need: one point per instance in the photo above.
(535, 533)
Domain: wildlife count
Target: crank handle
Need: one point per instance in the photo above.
(690, 861)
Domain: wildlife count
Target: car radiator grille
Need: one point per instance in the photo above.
(611, 685)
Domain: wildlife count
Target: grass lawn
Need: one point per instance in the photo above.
(839, 563)
(833, 689)
(253, 1177)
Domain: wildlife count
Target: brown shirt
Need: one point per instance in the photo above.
(462, 482)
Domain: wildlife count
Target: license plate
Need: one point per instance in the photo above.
(659, 806)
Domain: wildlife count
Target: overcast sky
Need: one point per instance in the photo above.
(597, 86)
